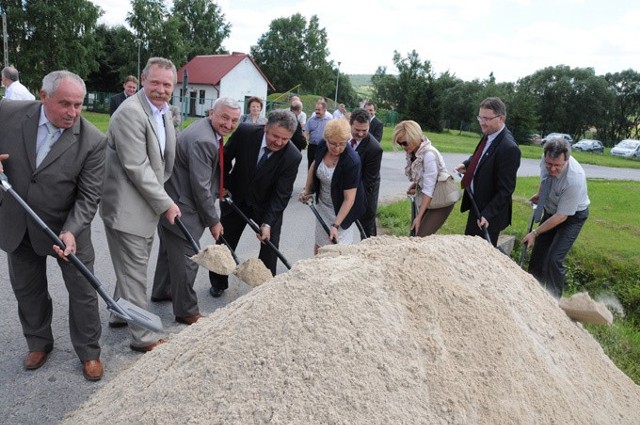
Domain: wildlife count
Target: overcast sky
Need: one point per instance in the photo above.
(511, 38)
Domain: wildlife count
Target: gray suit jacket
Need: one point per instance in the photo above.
(64, 190)
(133, 194)
(194, 183)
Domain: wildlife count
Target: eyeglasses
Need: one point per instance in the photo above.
(337, 145)
(486, 119)
(403, 144)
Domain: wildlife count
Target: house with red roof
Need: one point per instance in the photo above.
(209, 77)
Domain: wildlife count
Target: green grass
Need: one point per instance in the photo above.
(102, 120)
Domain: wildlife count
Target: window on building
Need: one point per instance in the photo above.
(201, 97)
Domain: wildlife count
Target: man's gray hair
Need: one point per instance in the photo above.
(556, 147)
(282, 118)
(52, 80)
(226, 101)
(162, 63)
(10, 73)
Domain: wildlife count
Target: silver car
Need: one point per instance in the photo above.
(588, 145)
(627, 148)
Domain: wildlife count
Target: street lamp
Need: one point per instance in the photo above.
(139, 41)
(335, 99)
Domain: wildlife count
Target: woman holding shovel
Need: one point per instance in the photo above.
(424, 164)
(334, 178)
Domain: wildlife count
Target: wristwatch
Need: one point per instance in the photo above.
(337, 226)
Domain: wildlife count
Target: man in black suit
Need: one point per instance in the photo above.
(375, 125)
(490, 173)
(261, 191)
(370, 153)
(130, 86)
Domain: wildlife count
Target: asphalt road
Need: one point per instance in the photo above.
(47, 394)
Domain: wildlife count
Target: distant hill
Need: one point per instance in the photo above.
(360, 80)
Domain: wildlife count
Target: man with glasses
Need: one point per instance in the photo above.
(490, 173)
(565, 202)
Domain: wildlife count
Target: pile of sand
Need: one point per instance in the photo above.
(436, 330)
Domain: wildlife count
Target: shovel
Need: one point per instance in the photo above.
(256, 229)
(525, 246)
(414, 213)
(122, 308)
(208, 259)
(320, 220)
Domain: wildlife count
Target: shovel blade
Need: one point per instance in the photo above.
(137, 316)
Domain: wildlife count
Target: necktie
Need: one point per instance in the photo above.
(263, 158)
(353, 143)
(471, 169)
(221, 166)
(44, 145)
(545, 189)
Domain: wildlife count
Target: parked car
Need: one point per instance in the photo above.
(628, 148)
(534, 138)
(588, 145)
(556, 136)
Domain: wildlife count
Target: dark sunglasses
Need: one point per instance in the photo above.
(403, 144)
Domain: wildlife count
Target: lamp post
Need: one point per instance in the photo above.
(139, 41)
(335, 99)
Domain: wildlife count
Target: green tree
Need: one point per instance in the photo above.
(459, 101)
(385, 89)
(203, 24)
(623, 114)
(117, 58)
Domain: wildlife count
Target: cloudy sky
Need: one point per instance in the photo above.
(511, 38)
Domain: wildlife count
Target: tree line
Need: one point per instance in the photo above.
(44, 35)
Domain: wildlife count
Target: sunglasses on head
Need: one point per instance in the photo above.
(403, 144)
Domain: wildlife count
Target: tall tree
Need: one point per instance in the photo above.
(203, 24)
(623, 115)
(117, 58)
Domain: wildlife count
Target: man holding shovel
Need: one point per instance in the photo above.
(54, 160)
(194, 186)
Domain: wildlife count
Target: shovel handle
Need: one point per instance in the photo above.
(414, 213)
(187, 235)
(320, 220)
(476, 211)
(233, 253)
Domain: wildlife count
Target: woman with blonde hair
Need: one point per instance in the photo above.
(424, 164)
(334, 178)
(255, 108)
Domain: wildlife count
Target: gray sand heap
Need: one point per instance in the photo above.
(436, 330)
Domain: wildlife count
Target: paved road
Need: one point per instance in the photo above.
(47, 394)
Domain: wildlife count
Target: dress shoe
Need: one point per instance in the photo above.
(161, 299)
(216, 293)
(118, 324)
(92, 370)
(35, 359)
(189, 320)
(148, 347)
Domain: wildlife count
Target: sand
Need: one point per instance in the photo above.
(253, 272)
(436, 330)
(216, 258)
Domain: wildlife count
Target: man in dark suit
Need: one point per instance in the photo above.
(130, 86)
(490, 173)
(375, 125)
(54, 159)
(261, 191)
(370, 153)
(194, 186)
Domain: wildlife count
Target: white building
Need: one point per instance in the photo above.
(210, 77)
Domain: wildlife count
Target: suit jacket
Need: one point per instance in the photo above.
(370, 153)
(495, 180)
(133, 194)
(64, 190)
(347, 175)
(376, 128)
(267, 190)
(115, 101)
(194, 182)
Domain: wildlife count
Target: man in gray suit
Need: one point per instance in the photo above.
(54, 159)
(141, 144)
(194, 185)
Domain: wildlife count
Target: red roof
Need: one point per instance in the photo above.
(210, 69)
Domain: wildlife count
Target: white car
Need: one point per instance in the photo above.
(628, 148)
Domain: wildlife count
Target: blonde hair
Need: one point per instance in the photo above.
(337, 131)
(408, 131)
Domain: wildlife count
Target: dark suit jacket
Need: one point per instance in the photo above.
(495, 180)
(375, 128)
(267, 190)
(298, 138)
(347, 175)
(115, 101)
(370, 153)
(64, 190)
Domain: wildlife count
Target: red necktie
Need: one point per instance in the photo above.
(353, 143)
(471, 169)
(221, 160)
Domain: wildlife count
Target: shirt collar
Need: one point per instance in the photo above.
(43, 119)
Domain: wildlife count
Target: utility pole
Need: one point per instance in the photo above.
(335, 99)
(5, 37)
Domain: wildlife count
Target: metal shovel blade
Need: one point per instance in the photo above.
(137, 316)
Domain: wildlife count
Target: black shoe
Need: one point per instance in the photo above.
(161, 299)
(216, 293)
(118, 324)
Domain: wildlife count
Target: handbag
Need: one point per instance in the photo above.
(446, 192)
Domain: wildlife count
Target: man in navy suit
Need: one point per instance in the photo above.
(130, 86)
(490, 173)
(370, 153)
(375, 125)
(261, 188)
